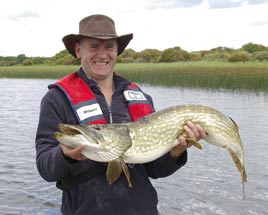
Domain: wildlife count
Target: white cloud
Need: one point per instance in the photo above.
(233, 3)
(170, 4)
(24, 15)
(255, 1)
(36, 27)
(224, 3)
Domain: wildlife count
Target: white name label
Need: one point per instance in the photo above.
(89, 111)
(131, 95)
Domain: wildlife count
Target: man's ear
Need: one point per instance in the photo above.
(77, 49)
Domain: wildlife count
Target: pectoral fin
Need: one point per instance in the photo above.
(113, 171)
(125, 169)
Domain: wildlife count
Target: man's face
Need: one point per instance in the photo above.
(98, 57)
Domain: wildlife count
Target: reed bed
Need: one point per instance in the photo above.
(210, 75)
(231, 76)
(36, 72)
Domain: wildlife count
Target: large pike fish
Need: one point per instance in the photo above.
(151, 137)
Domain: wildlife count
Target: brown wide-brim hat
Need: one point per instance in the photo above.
(98, 27)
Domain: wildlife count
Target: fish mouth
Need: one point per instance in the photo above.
(71, 130)
(68, 129)
(59, 135)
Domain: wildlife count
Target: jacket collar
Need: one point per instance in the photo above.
(119, 81)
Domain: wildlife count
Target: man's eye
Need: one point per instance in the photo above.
(93, 46)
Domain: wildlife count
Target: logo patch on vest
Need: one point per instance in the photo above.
(88, 111)
(131, 95)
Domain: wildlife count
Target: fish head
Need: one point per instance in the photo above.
(107, 135)
(103, 142)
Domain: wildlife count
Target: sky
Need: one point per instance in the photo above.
(36, 27)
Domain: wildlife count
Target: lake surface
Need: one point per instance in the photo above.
(209, 184)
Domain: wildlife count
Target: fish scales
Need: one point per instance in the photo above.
(154, 135)
(158, 132)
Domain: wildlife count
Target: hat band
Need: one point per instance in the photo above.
(100, 34)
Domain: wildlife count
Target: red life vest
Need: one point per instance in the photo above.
(85, 106)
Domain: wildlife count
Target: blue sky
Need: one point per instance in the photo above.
(36, 27)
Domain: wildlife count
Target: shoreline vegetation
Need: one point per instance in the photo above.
(248, 76)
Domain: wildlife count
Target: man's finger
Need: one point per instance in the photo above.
(201, 131)
(193, 129)
(73, 153)
(184, 142)
(189, 132)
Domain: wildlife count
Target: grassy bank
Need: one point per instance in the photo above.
(213, 75)
(37, 72)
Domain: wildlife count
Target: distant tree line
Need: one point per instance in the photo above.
(248, 52)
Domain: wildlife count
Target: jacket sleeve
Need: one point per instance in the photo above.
(51, 163)
(165, 166)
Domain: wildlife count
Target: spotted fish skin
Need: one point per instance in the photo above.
(154, 135)
(104, 143)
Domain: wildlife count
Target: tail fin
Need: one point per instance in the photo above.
(241, 169)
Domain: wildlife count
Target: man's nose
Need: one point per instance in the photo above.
(102, 52)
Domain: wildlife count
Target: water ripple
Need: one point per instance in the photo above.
(209, 184)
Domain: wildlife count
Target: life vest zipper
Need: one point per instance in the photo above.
(110, 115)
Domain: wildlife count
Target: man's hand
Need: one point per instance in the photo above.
(73, 153)
(195, 132)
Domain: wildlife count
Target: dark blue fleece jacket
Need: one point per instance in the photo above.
(96, 196)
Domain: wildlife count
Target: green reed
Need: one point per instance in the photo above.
(232, 76)
(212, 75)
(36, 72)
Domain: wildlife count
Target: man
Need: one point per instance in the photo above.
(96, 85)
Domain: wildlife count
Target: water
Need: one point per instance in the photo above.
(209, 184)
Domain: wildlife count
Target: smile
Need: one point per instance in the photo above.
(100, 63)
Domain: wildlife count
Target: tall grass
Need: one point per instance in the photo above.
(36, 72)
(232, 76)
(213, 75)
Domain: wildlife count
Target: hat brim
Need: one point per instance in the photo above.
(70, 40)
